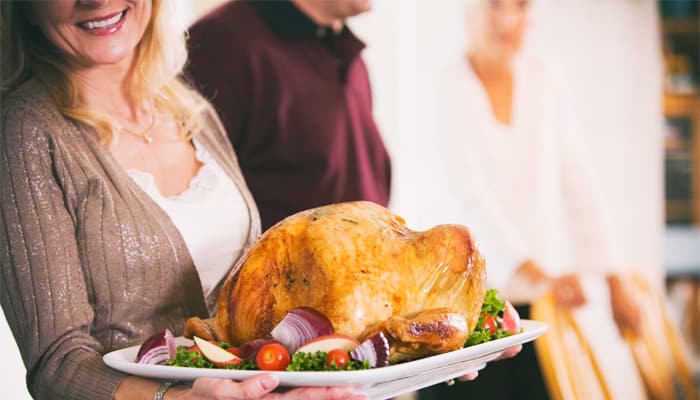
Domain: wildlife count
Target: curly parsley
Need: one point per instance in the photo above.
(195, 359)
(317, 362)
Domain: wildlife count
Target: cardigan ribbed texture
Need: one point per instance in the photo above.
(88, 262)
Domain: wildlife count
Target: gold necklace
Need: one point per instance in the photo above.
(147, 138)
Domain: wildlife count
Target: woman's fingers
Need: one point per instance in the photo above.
(468, 377)
(625, 309)
(329, 393)
(508, 353)
(259, 387)
(511, 352)
(568, 292)
(256, 387)
(532, 272)
(226, 389)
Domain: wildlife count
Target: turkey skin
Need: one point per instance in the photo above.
(358, 264)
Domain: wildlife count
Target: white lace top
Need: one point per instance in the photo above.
(210, 214)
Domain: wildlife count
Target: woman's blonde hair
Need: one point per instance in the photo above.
(155, 79)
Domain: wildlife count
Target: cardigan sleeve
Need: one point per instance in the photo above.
(42, 284)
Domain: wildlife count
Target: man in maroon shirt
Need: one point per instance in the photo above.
(293, 92)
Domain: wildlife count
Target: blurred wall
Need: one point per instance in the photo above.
(612, 54)
(11, 369)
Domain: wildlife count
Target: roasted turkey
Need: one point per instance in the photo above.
(358, 264)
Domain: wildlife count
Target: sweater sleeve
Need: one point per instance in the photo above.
(42, 283)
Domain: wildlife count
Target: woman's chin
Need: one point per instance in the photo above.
(106, 58)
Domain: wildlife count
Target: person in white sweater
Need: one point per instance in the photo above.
(513, 169)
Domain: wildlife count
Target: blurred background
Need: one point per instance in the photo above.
(633, 71)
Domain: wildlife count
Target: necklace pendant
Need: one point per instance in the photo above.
(146, 136)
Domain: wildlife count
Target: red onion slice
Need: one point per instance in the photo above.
(157, 349)
(299, 326)
(250, 350)
(374, 349)
(156, 355)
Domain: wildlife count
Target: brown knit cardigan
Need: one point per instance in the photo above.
(88, 262)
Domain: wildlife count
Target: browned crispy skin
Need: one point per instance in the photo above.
(201, 328)
(359, 265)
(437, 330)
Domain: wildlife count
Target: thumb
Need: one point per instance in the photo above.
(254, 388)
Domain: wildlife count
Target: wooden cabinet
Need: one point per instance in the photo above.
(682, 160)
(680, 28)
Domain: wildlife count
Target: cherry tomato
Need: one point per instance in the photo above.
(511, 319)
(489, 324)
(339, 357)
(272, 357)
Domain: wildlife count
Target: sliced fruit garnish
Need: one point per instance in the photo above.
(215, 354)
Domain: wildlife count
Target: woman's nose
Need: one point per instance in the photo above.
(92, 3)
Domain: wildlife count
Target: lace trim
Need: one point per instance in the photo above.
(204, 181)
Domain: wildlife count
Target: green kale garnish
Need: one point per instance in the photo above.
(195, 359)
(356, 365)
(317, 362)
(189, 358)
(244, 365)
(308, 361)
(493, 306)
(481, 336)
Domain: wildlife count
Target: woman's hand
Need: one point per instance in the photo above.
(258, 387)
(508, 353)
(625, 310)
(530, 271)
(567, 291)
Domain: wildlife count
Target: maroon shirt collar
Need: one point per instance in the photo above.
(290, 22)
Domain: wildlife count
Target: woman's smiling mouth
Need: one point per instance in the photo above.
(105, 25)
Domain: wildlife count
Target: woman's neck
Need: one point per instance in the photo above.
(105, 89)
(489, 67)
(496, 75)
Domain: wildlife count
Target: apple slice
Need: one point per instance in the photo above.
(329, 342)
(218, 356)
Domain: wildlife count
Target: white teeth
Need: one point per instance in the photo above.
(104, 23)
